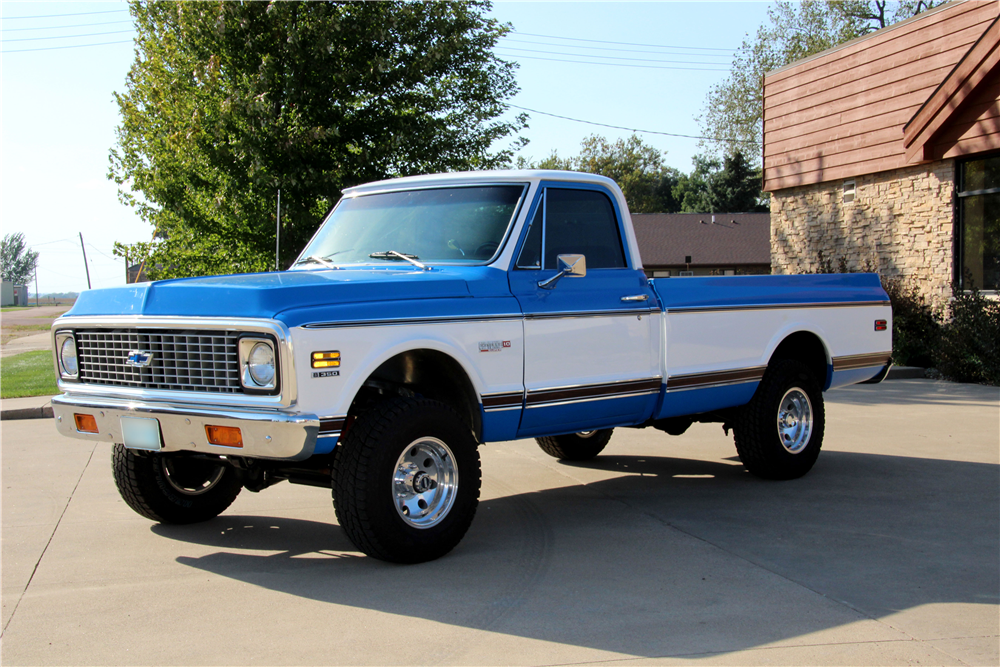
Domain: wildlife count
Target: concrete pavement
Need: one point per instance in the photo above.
(661, 551)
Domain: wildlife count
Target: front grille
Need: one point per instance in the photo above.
(183, 360)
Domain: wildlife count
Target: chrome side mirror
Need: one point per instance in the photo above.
(569, 265)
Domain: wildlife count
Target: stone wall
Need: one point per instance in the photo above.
(899, 224)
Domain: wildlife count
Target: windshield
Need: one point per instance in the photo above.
(453, 225)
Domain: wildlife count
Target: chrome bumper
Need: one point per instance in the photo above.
(265, 434)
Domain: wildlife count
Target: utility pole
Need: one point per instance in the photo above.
(36, 285)
(85, 260)
(277, 234)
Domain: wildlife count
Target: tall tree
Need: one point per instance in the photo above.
(226, 103)
(636, 166)
(17, 260)
(729, 186)
(733, 113)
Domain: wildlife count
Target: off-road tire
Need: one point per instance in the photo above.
(758, 439)
(576, 446)
(173, 488)
(366, 472)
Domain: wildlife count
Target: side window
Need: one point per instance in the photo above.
(531, 252)
(581, 222)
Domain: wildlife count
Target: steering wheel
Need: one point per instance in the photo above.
(486, 250)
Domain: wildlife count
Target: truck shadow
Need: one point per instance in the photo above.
(665, 556)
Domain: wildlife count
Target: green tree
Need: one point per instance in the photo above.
(731, 185)
(17, 260)
(733, 113)
(648, 185)
(226, 103)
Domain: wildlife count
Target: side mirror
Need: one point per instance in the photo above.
(569, 265)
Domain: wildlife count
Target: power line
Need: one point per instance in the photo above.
(60, 27)
(583, 62)
(607, 48)
(584, 55)
(620, 127)
(91, 34)
(603, 41)
(52, 16)
(74, 46)
(99, 251)
(50, 242)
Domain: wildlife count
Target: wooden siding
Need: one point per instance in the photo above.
(842, 113)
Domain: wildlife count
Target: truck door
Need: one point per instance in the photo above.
(588, 361)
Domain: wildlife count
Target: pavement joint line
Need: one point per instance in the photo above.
(27, 585)
(736, 555)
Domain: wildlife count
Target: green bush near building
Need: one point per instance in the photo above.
(27, 374)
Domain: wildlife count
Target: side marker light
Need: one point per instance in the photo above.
(85, 423)
(226, 436)
(880, 325)
(326, 359)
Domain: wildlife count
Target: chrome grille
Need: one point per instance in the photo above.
(183, 360)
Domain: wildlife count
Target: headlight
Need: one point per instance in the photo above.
(261, 364)
(66, 349)
(258, 364)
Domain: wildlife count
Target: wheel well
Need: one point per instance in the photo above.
(808, 348)
(426, 373)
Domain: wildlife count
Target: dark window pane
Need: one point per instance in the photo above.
(582, 222)
(980, 242)
(981, 174)
(531, 252)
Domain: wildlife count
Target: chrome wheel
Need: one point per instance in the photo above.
(425, 482)
(585, 434)
(795, 420)
(191, 477)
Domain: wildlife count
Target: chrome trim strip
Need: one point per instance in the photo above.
(266, 433)
(577, 393)
(512, 407)
(552, 404)
(328, 425)
(774, 306)
(591, 313)
(855, 361)
(715, 378)
(289, 387)
(412, 321)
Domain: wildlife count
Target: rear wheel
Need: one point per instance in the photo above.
(581, 446)
(406, 480)
(174, 487)
(779, 433)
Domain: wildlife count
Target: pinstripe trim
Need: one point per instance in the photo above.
(774, 306)
(412, 320)
(504, 401)
(715, 378)
(853, 361)
(331, 425)
(575, 394)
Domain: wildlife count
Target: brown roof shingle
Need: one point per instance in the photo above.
(736, 239)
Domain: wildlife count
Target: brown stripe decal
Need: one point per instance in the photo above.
(331, 425)
(854, 361)
(773, 306)
(507, 400)
(608, 390)
(715, 378)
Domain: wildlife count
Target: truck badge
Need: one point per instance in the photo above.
(493, 345)
(139, 358)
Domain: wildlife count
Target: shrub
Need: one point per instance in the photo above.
(915, 325)
(969, 348)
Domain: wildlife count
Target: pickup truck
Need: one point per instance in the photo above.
(429, 315)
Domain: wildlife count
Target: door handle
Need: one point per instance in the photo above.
(637, 297)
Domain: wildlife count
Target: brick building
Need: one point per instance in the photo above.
(703, 244)
(884, 152)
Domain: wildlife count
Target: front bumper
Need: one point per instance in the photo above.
(266, 434)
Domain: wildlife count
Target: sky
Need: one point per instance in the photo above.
(644, 65)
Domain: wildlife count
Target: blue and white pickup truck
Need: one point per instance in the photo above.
(429, 315)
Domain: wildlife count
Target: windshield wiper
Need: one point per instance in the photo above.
(392, 254)
(316, 259)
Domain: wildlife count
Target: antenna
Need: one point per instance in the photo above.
(85, 260)
(277, 234)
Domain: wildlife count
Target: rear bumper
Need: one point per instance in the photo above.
(266, 434)
(881, 374)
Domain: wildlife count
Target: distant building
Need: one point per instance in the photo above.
(14, 295)
(884, 152)
(703, 244)
(136, 274)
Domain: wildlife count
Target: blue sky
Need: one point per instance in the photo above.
(58, 117)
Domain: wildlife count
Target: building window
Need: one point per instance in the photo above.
(849, 189)
(977, 235)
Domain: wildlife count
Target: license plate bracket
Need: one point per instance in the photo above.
(141, 433)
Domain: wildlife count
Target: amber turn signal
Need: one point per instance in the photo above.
(85, 423)
(326, 359)
(227, 436)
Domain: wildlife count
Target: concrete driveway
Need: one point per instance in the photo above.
(661, 551)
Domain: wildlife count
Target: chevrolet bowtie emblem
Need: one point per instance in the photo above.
(139, 358)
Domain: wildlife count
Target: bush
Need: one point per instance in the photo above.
(969, 347)
(916, 328)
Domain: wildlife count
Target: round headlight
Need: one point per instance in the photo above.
(67, 356)
(261, 364)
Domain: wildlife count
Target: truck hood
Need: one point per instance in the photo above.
(266, 295)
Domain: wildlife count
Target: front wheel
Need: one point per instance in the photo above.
(780, 431)
(406, 480)
(581, 446)
(174, 488)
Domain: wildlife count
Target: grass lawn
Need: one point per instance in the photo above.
(10, 308)
(27, 374)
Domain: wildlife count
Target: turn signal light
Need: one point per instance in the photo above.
(227, 436)
(326, 359)
(85, 423)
